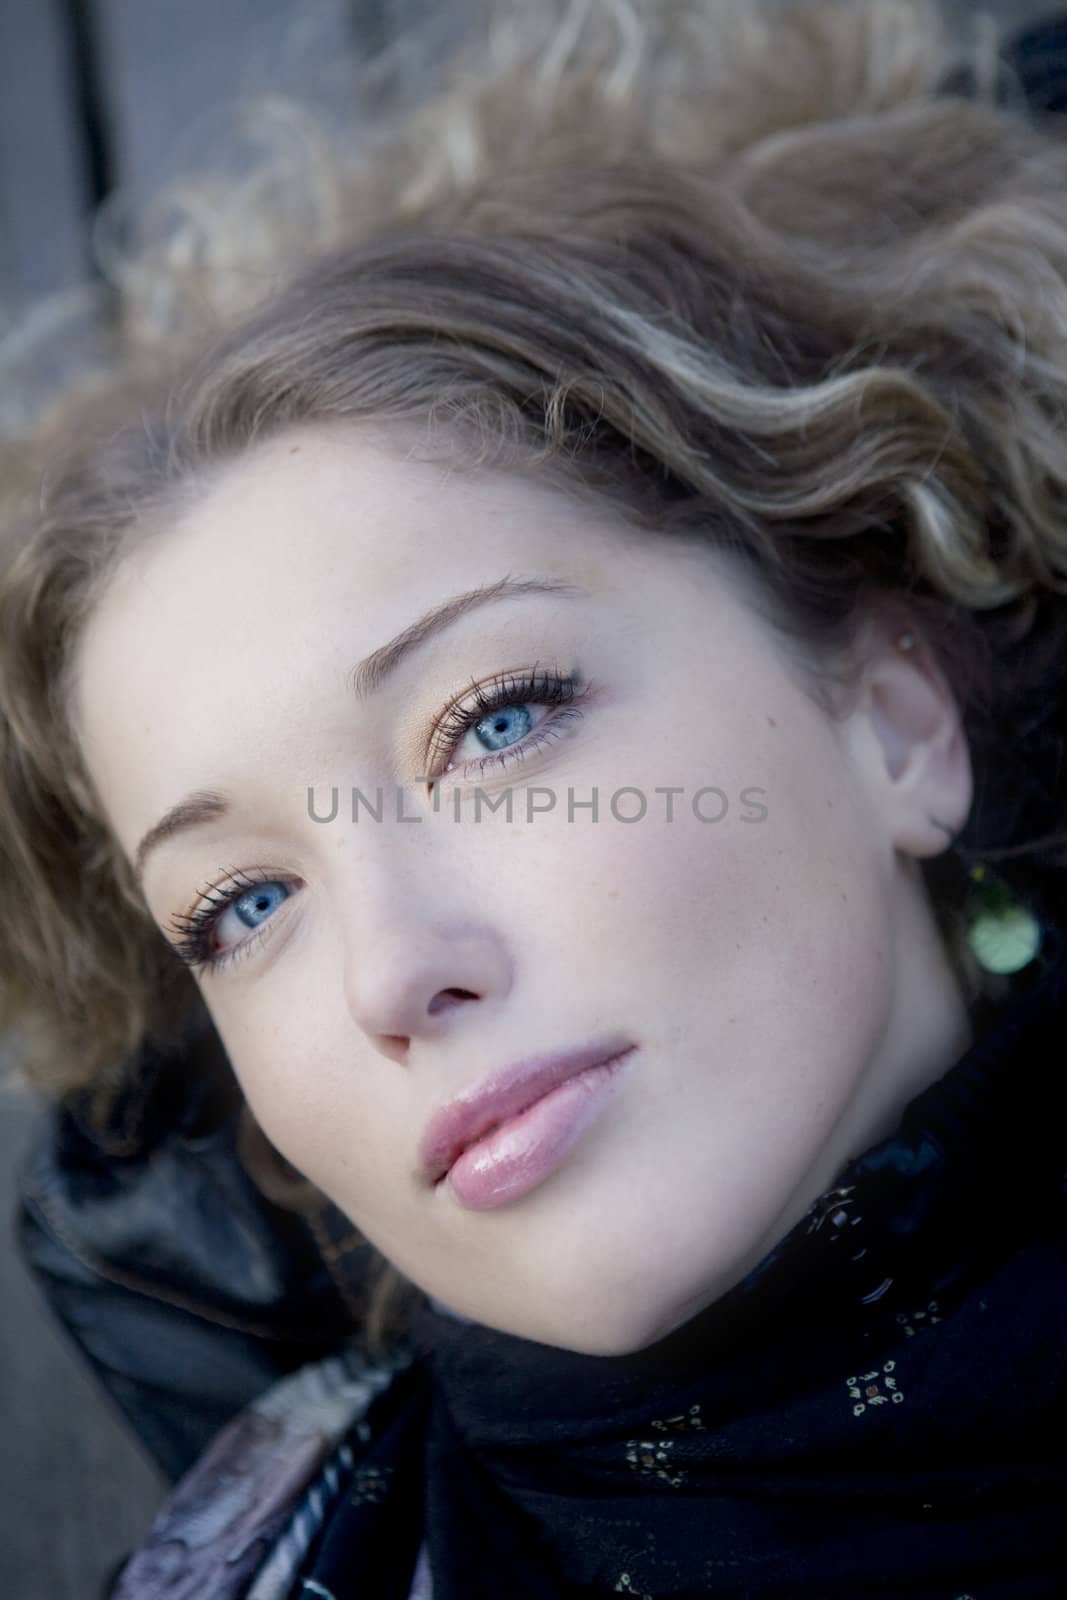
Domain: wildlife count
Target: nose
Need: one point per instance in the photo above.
(419, 972)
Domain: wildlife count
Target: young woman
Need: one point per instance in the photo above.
(570, 680)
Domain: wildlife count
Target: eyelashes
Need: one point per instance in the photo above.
(194, 931)
(550, 689)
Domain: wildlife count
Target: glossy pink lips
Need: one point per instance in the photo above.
(481, 1107)
(521, 1152)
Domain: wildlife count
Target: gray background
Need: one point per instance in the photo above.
(93, 94)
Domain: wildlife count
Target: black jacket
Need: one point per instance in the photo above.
(186, 1290)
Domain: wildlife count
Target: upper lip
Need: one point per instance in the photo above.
(472, 1112)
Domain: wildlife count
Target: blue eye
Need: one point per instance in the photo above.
(500, 718)
(255, 903)
(252, 901)
(510, 722)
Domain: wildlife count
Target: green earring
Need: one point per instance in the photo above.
(1002, 933)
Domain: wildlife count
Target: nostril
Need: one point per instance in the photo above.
(448, 997)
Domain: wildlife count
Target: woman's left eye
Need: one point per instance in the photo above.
(499, 717)
(251, 902)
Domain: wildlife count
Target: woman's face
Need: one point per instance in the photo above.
(758, 938)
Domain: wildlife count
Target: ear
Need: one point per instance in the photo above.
(910, 732)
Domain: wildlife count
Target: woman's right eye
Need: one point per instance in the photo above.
(249, 903)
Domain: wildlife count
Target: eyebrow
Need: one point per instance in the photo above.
(208, 805)
(371, 673)
(204, 805)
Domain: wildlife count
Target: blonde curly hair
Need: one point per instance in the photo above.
(788, 277)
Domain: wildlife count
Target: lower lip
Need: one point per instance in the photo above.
(518, 1155)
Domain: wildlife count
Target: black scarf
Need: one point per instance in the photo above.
(878, 1408)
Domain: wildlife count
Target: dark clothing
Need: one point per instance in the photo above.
(186, 1290)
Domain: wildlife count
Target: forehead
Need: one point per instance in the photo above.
(364, 495)
(328, 521)
(297, 560)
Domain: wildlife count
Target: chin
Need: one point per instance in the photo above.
(612, 1331)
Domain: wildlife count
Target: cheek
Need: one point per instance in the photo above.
(329, 1132)
(338, 1109)
(775, 895)
(293, 1077)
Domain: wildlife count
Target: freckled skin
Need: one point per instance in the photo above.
(782, 978)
